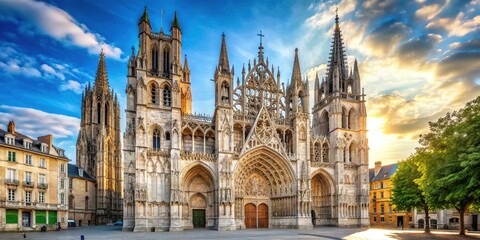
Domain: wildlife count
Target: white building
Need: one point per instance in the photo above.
(260, 161)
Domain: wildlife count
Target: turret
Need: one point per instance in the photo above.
(356, 79)
(297, 89)
(144, 23)
(176, 43)
(223, 77)
(132, 66)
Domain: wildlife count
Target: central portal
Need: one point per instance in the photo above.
(265, 195)
(256, 217)
(198, 218)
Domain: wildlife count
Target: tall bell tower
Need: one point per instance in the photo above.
(339, 116)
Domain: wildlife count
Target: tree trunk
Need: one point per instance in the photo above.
(462, 220)
(427, 220)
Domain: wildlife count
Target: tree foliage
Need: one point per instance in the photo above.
(450, 160)
(406, 192)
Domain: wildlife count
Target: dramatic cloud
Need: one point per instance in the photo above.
(326, 13)
(416, 50)
(72, 85)
(43, 18)
(383, 40)
(35, 123)
(428, 12)
(458, 26)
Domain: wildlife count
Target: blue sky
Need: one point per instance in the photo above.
(418, 59)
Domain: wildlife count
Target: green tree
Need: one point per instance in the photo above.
(406, 192)
(451, 160)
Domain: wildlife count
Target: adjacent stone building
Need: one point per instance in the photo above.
(81, 201)
(382, 212)
(259, 161)
(34, 184)
(99, 148)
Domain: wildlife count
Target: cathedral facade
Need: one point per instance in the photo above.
(261, 161)
(99, 150)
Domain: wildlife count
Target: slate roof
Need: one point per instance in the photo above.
(73, 172)
(385, 172)
(36, 145)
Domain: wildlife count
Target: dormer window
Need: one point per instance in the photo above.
(44, 148)
(27, 145)
(10, 140)
(61, 153)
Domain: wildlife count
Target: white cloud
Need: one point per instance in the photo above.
(49, 20)
(429, 12)
(326, 13)
(35, 123)
(458, 26)
(49, 71)
(13, 67)
(72, 85)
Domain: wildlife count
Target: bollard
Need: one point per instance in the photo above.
(82, 237)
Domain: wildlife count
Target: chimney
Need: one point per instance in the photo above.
(47, 139)
(378, 165)
(11, 127)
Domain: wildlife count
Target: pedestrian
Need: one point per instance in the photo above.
(24, 235)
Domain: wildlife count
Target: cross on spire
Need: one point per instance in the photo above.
(261, 36)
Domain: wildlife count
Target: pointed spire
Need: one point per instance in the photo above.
(144, 17)
(356, 73)
(101, 79)
(296, 73)
(175, 23)
(337, 54)
(185, 63)
(223, 59)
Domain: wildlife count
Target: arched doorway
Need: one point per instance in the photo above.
(322, 199)
(262, 215)
(198, 186)
(250, 216)
(198, 204)
(265, 191)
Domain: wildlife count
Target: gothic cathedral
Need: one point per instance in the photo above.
(99, 149)
(260, 161)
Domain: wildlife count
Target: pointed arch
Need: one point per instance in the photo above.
(166, 59)
(324, 123)
(325, 152)
(352, 117)
(153, 92)
(154, 57)
(352, 150)
(344, 117)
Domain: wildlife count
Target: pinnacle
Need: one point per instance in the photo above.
(223, 63)
(296, 73)
(101, 79)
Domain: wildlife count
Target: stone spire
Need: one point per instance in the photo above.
(296, 73)
(144, 17)
(337, 55)
(175, 23)
(101, 79)
(223, 64)
(185, 64)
